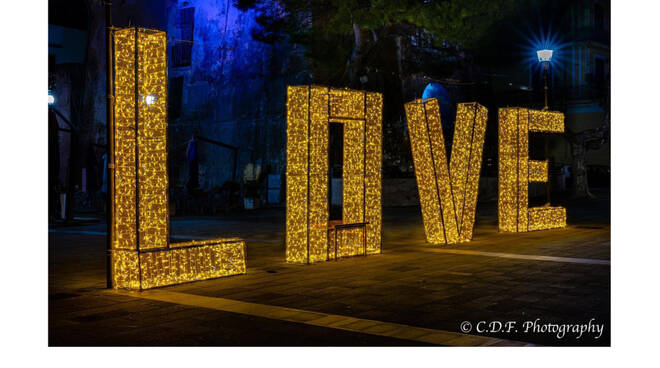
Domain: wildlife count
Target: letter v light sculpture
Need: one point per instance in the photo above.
(447, 193)
(142, 256)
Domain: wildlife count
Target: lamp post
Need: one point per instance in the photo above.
(545, 56)
(110, 142)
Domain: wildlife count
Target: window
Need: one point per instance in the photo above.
(175, 97)
(182, 50)
(187, 17)
(187, 23)
(181, 54)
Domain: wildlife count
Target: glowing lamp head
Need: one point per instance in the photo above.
(544, 55)
(51, 98)
(150, 99)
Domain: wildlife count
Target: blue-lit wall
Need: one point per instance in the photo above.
(233, 91)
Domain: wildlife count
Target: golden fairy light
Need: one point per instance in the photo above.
(310, 110)
(516, 170)
(142, 256)
(447, 192)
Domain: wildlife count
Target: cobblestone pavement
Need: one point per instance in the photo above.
(411, 294)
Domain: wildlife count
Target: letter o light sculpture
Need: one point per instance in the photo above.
(310, 110)
(142, 256)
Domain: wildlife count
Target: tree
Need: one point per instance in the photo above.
(581, 142)
(366, 44)
(340, 36)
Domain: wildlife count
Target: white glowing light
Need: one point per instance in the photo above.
(150, 99)
(51, 99)
(544, 55)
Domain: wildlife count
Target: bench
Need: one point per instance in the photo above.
(337, 226)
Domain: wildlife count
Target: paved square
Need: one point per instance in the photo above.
(411, 294)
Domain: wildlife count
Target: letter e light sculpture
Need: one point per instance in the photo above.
(516, 171)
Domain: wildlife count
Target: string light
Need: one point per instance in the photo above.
(310, 110)
(538, 171)
(149, 99)
(447, 192)
(516, 171)
(142, 257)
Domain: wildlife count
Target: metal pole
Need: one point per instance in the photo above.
(110, 151)
(336, 244)
(68, 208)
(233, 171)
(545, 108)
(547, 183)
(545, 83)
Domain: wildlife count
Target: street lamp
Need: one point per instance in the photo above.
(545, 56)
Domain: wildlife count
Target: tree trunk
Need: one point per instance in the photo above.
(357, 57)
(399, 63)
(580, 183)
